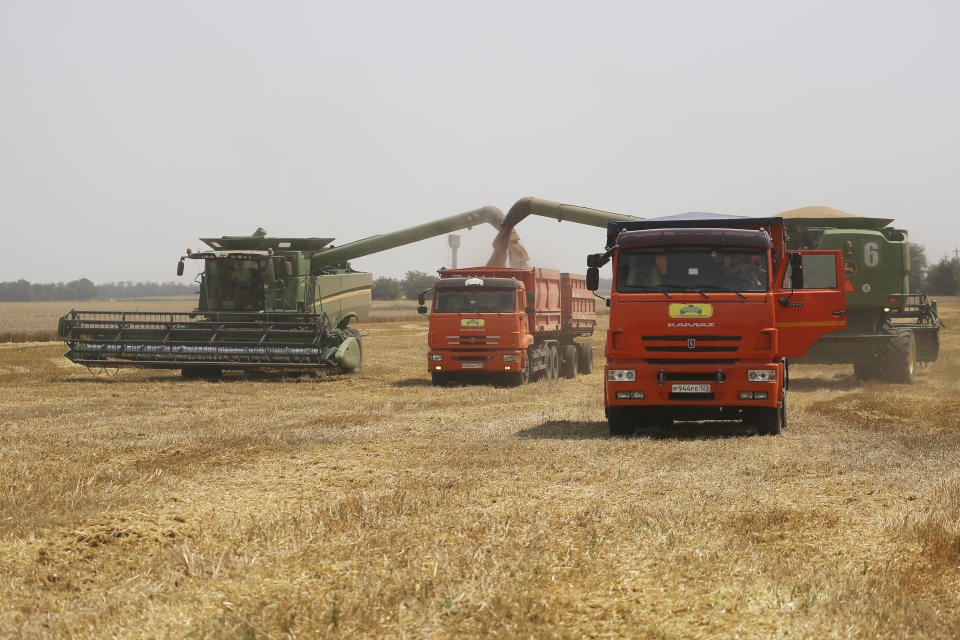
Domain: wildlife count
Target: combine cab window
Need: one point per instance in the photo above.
(475, 301)
(684, 268)
(233, 285)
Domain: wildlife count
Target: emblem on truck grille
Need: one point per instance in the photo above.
(690, 310)
(691, 343)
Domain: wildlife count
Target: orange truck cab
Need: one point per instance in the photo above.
(705, 310)
(508, 325)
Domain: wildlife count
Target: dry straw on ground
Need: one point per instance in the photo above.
(374, 505)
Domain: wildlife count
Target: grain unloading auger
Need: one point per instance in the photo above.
(267, 304)
(507, 243)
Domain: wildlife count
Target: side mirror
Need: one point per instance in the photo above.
(796, 271)
(595, 260)
(422, 309)
(593, 278)
(287, 269)
(421, 300)
(180, 268)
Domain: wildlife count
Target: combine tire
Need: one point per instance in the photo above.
(585, 357)
(568, 365)
(901, 360)
(356, 334)
(770, 420)
(621, 421)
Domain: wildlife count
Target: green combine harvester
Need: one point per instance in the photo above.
(266, 304)
(889, 330)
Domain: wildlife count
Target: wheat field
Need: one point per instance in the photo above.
(374, 505)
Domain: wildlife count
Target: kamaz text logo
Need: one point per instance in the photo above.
(691, 324)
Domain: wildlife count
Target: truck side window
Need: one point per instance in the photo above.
(819, 272)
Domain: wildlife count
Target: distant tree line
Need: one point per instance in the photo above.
(409, 287)
(942, 278)
(83, 289)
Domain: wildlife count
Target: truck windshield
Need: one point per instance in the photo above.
(691, 269)
(475, 301)
(233, 285)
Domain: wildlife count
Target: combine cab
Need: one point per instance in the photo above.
(268, 304)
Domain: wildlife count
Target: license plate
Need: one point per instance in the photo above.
(471, 365)
(691, 388)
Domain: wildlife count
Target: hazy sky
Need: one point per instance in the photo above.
(128, 129)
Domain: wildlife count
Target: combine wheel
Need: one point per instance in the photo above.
(356, 335)
(568, 364)
(621, 420)
(901, 361)
(585, 357)
(769, 420)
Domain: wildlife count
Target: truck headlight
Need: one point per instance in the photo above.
(621, 375)
(762, 375)
(436, 356)
(630, 395)
(511, 357)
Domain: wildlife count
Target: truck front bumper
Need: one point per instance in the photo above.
(487, 360)
(683, 385)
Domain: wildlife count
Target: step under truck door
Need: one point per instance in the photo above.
(804, 315)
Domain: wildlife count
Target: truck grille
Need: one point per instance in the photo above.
(691, 344)
(484, 339)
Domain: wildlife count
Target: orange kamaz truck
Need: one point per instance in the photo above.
(508, 325)
(705, 310)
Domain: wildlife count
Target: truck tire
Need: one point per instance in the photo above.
(553, 362)
(621, 421)
(769, 420)
(585, 357)
(439, 378)
(901, 361)
(520, 378)
(568, 363)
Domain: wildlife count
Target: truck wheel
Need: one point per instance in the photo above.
(585, 359)
(568, 366)
(901, 361)
(621, 421)
(439, 378)
(553, 362)
(769, 421)
(519, 378)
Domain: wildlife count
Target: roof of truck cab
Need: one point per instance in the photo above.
(488, 283)
(691, 220)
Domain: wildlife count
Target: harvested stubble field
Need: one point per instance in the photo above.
(377, 506)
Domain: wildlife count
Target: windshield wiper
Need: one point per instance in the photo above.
(650, 287)
(680, 287)
(717, 287)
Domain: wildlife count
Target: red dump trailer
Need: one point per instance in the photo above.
(516, 324)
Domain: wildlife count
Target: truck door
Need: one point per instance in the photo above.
(819, 307)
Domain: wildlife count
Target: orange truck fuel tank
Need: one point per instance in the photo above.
(508, 325)
(705, 310)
